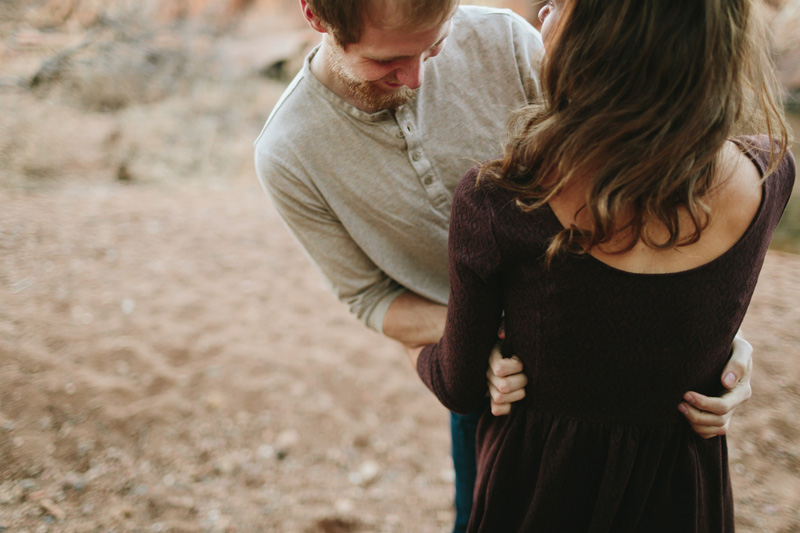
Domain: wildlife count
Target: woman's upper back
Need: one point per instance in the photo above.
(733, 200)
(594, 336)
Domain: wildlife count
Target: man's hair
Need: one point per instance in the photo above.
(344, 19)
(639, 97)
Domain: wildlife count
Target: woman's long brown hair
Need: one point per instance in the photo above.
(638, 98)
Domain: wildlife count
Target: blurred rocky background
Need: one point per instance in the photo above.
(175, 90)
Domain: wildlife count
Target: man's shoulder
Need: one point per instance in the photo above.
(490, 34)
(287, 115)
(292, 123)
(491, 19)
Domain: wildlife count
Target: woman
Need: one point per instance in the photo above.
(621, 233)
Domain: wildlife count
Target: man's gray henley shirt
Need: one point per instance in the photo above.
(368, 195)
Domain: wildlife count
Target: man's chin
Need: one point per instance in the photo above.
(388, 100)
(376, 99)
(369, 93)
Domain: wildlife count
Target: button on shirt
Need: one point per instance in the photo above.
(368, 195)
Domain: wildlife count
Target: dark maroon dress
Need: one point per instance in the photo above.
(598, 443)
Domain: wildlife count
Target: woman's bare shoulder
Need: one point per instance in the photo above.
(736, 196)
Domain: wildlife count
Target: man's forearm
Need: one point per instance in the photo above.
(414, 320)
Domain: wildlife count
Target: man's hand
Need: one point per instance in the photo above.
(710, 417)
(506, 382)
(413, 354)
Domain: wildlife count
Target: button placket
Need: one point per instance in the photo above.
(416, 154)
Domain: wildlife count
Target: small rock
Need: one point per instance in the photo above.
(286, 440)
(52, 509)
(448, 475)
(225, 466)
(124, 174)
(84, 448)
(344, 506)
(127, 306)
(369, 471)
(265, 451)
(26, 484)
(214, 399)
(74, 480)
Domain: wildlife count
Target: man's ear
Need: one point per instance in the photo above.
(312, 19)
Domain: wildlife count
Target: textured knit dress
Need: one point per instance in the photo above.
(598, 443)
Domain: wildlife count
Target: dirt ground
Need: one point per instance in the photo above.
(170, 361)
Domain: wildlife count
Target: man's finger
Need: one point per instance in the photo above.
(725, 404)
(708, 432)
(507, 384)
(703, 418)
(500, 409)
(503, 367)
(740, 363)
(505, 397)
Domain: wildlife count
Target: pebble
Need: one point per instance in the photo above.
(84, 448)
(369, 471)
(74, 480)
(127, 305)
(286, 439)
(26, 484)
(214, 399)
(225, 466)
(448, 475)
(366, 474)
(51, 508)
(265, 451)
(344, 506)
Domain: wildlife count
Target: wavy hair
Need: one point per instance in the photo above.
(638, 98)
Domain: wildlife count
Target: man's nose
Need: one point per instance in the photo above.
(411, 73)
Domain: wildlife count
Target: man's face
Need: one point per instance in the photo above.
(385, 68)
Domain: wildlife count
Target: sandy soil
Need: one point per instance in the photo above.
(169, 360)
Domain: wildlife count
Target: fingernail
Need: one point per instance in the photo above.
(683, 409)
(689, 397)
(729, 380)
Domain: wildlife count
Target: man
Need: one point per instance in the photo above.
(363, 151)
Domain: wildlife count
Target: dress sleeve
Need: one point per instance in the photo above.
(455, 368)
(347, 271)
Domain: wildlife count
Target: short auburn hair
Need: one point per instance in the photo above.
(344, 19)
